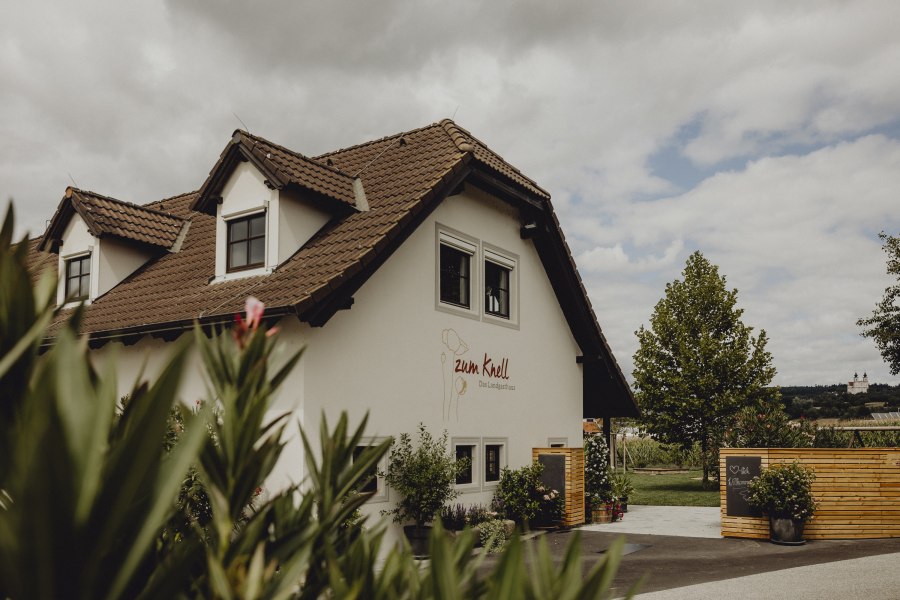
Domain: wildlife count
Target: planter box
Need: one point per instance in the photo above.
(564, 471)
(858, 490)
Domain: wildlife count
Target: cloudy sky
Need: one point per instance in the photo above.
(765, 134)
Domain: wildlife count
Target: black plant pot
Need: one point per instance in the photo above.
(623, 502)
(418, 539)
(786, 531)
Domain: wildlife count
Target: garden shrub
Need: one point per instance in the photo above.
(551, 507)
(516, 497)
(784, 491)
(767, 426)
(597, 484)
(453, 517)
(493, 535)
(646, 452)
(424, 475)
(521, 497)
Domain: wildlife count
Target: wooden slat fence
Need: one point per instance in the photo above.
(858, 490)
(574, 475)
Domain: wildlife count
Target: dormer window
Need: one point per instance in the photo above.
(78, 278)
(247, 242)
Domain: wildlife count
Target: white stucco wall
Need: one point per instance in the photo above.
(245, 193)
(298, 221)
(384, 355)
(118, 260)
(291, 220)
(76, 241)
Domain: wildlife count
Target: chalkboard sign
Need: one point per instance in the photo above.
(554, 475)
(739, 470)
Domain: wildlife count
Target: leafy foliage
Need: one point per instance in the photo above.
(646, 452)
(884, 324)
(459, 516)
(697, 364)
(833, 401)
(597, 485)
(516, 496)
(494, 535)
(521, 497)
(622, 486)
(767, 425)
(423, 475)
(784, 491)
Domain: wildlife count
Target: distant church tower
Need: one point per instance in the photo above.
(858, 387)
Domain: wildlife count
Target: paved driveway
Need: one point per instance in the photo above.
(679, 554)
(682, 521)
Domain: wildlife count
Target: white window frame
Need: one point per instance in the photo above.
(561, 442)
(504, 459)
(381, 492)
(222, 220)
(507, 260)
(475, 443)
(457, 240)
(93, 285)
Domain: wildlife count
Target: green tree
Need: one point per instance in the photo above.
(697, 363)
(884, 324)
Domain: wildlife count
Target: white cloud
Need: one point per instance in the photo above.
(137, 99)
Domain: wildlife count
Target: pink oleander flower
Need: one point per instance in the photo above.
(254, 309)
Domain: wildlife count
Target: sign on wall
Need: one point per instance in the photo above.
(464, 369)
(739, 470)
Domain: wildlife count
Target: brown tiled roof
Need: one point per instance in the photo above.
(467, 142)
(107, 216)
(282, 167)
(404, 177)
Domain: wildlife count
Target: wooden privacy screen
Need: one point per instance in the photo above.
(564, 471)
(858, 490)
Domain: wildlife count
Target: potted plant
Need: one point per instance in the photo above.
(621, 489)
(784, 492)
(423, 476)
(597, 484)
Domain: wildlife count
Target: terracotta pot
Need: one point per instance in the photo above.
(786, 531)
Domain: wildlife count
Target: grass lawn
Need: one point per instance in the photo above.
(673, 489)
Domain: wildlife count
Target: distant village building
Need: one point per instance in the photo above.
(858, 386)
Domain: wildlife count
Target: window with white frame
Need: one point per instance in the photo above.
(457, 273)
(78, 278)
(246, 245)
(494, 459)
(466, 449)
(374, 482)
(499, 284)
(557, 442)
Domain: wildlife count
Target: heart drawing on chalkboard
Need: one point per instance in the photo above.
(734, 469)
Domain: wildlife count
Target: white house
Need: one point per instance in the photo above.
(428, 280)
